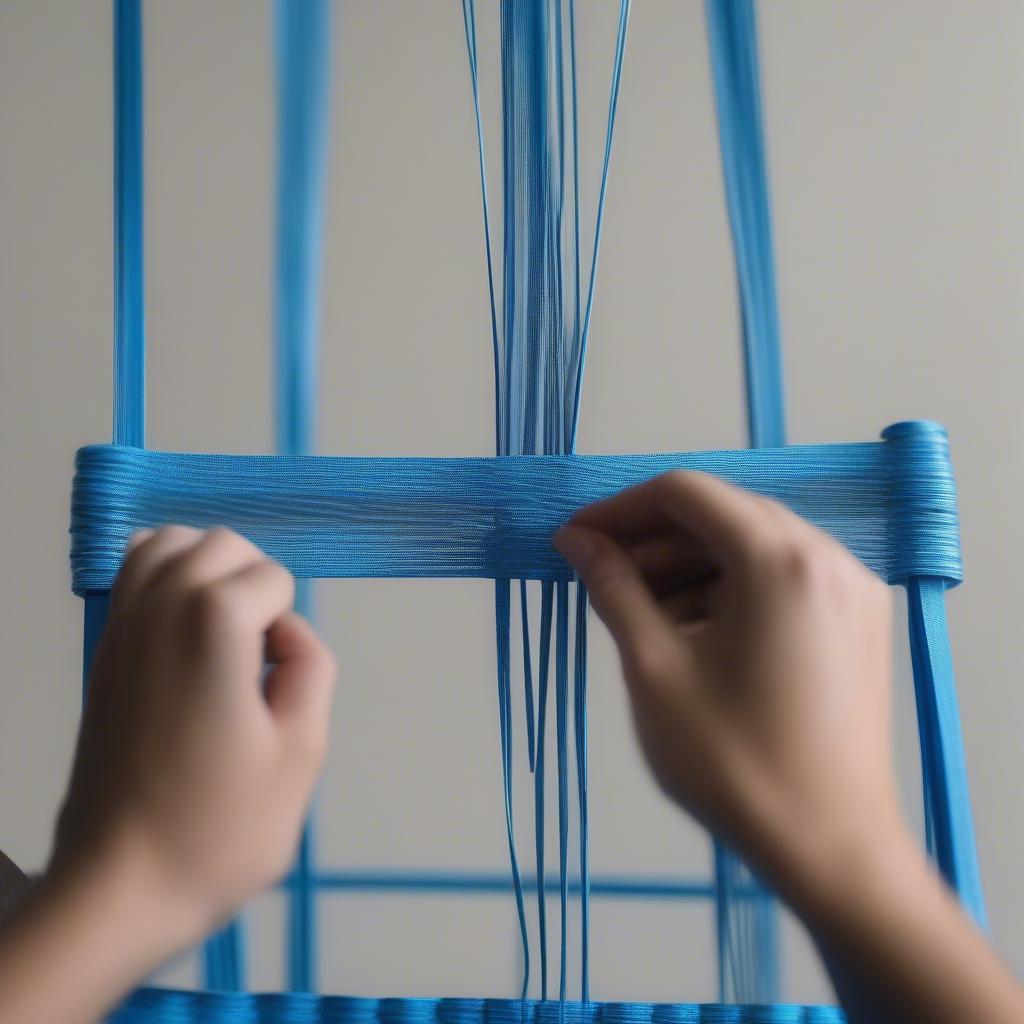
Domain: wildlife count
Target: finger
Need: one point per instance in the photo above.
(726, 519)
(251, 599)
(219, 552)
(690, 604)
(670, 560)
(147, 553)
(300, 687)
(619, 595)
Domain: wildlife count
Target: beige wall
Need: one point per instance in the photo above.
(897, 157)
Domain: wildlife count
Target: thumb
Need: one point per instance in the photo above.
(620, 596)
(300, 687)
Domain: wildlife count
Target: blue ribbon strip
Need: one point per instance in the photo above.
(893, 503)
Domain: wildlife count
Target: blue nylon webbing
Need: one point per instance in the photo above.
(129, 278)
(747, 932)
(302, 38)
(893, 503)
(732, 36)
(944, 767)
(163, 1006)
(129, 312)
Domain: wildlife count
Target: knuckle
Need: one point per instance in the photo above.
(175, 532)
(279, 576)
(601, 578)
(675, 484)
(212, 608)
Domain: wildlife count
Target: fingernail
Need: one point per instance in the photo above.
(575, 545)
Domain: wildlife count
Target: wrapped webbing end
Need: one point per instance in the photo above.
(924, 537)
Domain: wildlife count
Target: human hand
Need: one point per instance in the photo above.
(192, 769)
(757, 656)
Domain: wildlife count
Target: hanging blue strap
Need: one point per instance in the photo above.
(747, 931)
(732, 36)
(944, 767)
(129, 279)
(129, 308)
(302, 33)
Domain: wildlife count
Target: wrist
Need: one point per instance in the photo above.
(849, 867)
(123, 881)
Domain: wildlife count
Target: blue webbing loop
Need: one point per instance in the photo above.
(747, 932)
(302, 34)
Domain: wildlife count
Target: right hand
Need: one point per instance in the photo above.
(757, 655)
(193, 771)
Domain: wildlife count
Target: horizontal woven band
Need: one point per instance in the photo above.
(165, 1006)
(893, 503)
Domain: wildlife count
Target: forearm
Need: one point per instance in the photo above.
(894, 938)
(82, 938)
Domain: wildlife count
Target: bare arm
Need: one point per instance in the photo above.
(756, 651)
(191, 778)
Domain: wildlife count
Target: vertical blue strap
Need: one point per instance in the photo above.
(580, 692)
(302, 32)
(129, 279)
(747, 929)
(732, 35)
(944, 767)
(303, 50)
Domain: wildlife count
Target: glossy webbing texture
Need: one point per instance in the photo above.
(747, 932)
(893, 503)
(161, 1006)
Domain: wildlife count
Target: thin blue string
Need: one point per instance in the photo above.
(537, 373)
(502, 618)
(580, 355)
(546, 614)
(562, 751)
(580, 703)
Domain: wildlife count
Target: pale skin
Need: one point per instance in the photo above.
(756, 654)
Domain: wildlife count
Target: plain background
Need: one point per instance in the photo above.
(897, 158)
